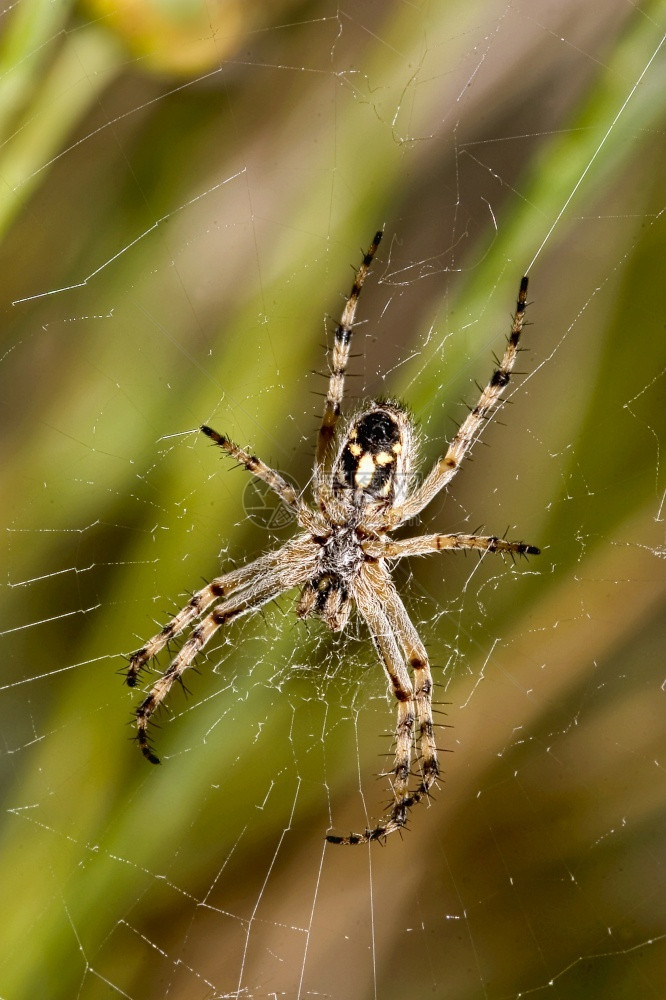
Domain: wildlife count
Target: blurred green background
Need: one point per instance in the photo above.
(185, 192)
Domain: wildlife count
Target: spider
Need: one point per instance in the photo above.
(363, 489)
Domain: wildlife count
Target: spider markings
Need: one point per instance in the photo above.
(373, 456)
(363, 489)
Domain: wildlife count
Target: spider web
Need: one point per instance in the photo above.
(179, 217)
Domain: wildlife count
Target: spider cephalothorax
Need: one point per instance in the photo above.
(339, 559)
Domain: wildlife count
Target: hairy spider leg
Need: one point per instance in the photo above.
(273, 479)
(389, 653)
(422, 545)
(199, 637)
(221, 586)
(470, 429)
(417, 657)
(339, 361)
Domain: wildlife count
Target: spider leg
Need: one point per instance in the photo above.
(341, 348)
(386, 645)
(470, 429)
(225, 612)
(221, 586)
(417, 658)
(273, 479)
(423, 544)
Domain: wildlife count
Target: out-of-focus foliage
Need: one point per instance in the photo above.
(184, 37)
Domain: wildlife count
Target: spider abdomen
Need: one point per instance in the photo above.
(376, 457)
